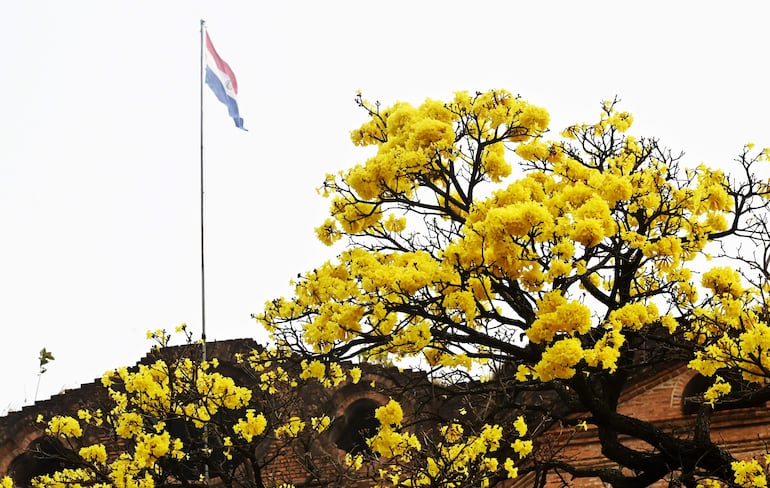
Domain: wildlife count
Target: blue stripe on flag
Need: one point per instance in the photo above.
(213, 81)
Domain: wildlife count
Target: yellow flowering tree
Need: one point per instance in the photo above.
(537, 276)
(179, 418)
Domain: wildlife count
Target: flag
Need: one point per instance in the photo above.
(222, 81)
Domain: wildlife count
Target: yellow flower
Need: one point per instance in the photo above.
(523, 372)
(129, 425)
(589, 232)
(151, 447)
(556, 315)
(621, 121)
(354, 462)
(251, 426)
(512, 471)
(390, 414)
(291, 429)
(393, 224)
(490, 437)
(315, 369)
(328, 233)
(522, 448)
(452, 433)
(521, 426)
(95, 453)
(559, 359)
(64, 426)
(723, 280)
(320, 423)
(749, 474)
(390, 443)
(355, 374)
(670, 323)
(490, 464)
(719, 389)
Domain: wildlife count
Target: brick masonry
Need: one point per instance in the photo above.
(657, 398)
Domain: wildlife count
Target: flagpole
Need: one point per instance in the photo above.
(203, 263)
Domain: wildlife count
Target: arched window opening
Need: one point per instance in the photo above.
(43, 456)
(692, 396)
(197, 442)
(358, 424)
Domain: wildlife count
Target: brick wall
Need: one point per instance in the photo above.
(657, 398)
(300, 462)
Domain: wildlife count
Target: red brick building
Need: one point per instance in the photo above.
(24, 446)
(660, 397)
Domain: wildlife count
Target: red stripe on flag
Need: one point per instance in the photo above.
(221, 64)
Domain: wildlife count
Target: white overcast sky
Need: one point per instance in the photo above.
(99, 139)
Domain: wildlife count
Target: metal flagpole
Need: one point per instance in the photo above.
(203, 263)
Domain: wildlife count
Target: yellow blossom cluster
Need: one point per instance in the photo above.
(91, 417)
(717, 390)
(292, 428)
(557, 316)
(559, 360)
(320, 423)
(329, 376)
(151, 405)
(461, 457)
(459, 453)
(568, 222)
(731, 330)
(266, 363)
(150, 447)
(343, 307)
(749, 474)
(95, 453)
(389, 440)
(78, 477)
(251, 426)
(560, 269)
(416, 146)
(64, 426)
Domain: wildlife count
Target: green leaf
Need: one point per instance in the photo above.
(45, 358)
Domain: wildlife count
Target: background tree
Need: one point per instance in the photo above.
(44, 358)
(176, 419)
(530, 297)
(543, 289)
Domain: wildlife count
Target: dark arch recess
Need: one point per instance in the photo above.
(357, 424)
(43, 456)
(692, 396)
